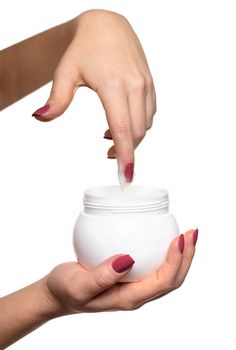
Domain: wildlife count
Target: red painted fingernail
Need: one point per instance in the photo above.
(107, 135)
(195, 237)
(122, 263)
(181, 244)
(129, 172)
(40, 111)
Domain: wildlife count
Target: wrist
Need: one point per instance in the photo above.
(51, 306)
(25, 310)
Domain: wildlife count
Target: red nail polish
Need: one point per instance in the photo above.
(122, 263)
(40, 111)
(129, 172)
(107, 135)
(181, 244)
(195, 237)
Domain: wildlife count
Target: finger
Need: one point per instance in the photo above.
(115, 103)
(150, 107)
(61, 95)
(104, 276)
(189, 252)
(162, 281)
(142, 112)
(65, 84)
(137, 108)
(190, 239)
(111, 154)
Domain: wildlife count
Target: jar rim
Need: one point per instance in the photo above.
(132, 198)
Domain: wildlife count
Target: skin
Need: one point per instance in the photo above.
(69, 289)
(100, 50)
(97, 49)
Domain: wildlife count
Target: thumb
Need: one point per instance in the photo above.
(108, 273)
(62, 93)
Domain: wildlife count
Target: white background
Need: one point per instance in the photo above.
(44, 169)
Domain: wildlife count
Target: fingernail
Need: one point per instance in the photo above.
(107, 135)
(195, 237)
(181, 244)
(129, 172)
(111, 157)
(40, 111)
(122, 263)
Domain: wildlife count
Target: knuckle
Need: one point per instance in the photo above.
(59, 100)
(129, 306)
(139, 134)
(123, 129)
(179, 282)
(103, 280)
(149, 81)
(154, 108)
(149, 124)
(169, 286)
(138, 83)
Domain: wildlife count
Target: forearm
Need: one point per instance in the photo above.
(26, 66)
(23, 311)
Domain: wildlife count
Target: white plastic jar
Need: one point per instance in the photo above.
(135, 221)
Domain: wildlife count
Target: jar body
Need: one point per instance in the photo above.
(144, 236)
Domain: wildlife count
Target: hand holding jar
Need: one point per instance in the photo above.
(71, 288)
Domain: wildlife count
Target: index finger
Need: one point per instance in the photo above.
(115, 103)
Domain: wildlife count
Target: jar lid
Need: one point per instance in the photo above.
(131, 199)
